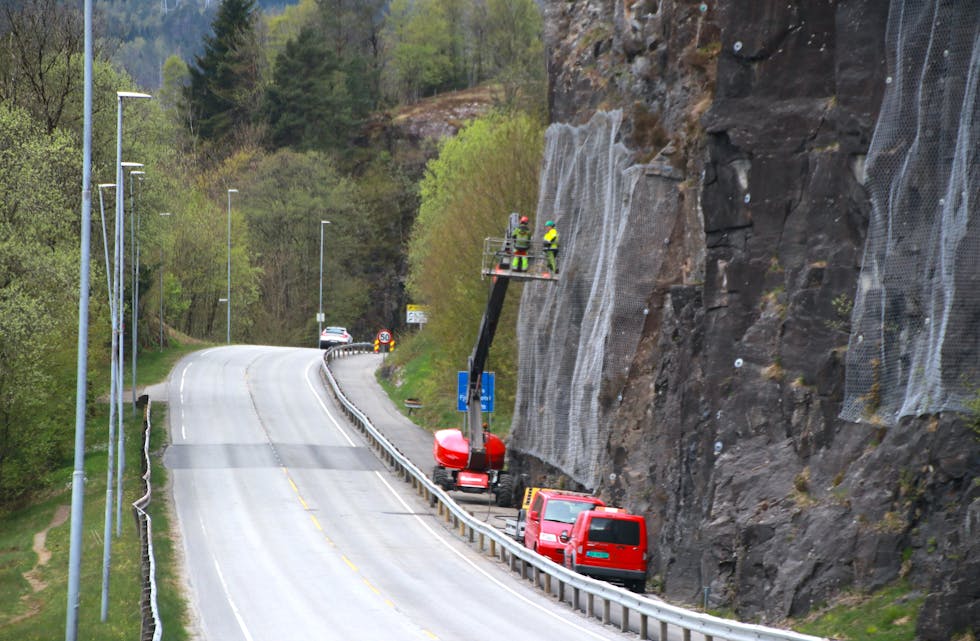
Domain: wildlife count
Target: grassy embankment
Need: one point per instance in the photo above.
(34, 540)
(409, 372)
(889, 614)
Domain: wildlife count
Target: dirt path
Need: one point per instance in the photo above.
(31, 603)
(40, 548)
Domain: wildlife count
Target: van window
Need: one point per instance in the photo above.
(603, 530)
(565, 511)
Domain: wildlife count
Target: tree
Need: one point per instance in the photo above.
(41, 57)
(316, 101)
(223, 96)
(290, 194)
(513, 39)
(421, 43)
(38, 297)
(175, 78)
(487, 171)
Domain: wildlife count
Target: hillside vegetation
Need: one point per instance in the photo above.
(268, 125)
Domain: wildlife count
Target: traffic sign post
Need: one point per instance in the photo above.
(416, 314)
(384, 340)
(487, 385)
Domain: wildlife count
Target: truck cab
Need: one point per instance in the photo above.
(550, 513)
(610, 544)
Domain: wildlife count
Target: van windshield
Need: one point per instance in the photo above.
(614, 531)
(565, 511)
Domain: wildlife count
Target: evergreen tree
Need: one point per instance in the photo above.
(353, 28)
(316, 99)
(223, 94)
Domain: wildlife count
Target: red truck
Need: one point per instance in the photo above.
(610, 544)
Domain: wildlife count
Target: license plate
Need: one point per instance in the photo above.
(597, 554)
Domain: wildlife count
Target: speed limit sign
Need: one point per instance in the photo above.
(384, 337)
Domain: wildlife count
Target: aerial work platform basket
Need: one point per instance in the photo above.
(498, 260)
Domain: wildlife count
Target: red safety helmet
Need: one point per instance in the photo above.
(524, 219)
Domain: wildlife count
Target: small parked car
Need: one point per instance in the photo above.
(331, 336)
(610, 544)
(551, 512)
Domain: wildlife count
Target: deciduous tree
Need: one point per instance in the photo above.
(41, 58)
(38, 297)
(487, 171)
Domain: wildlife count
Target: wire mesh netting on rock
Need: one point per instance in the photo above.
(914, 341)
(577, 336)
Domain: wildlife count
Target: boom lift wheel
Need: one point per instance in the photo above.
(441, 477)
(504, 495)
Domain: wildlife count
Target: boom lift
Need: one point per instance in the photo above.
(474, 463)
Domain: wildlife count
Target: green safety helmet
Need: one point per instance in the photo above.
(550, 223)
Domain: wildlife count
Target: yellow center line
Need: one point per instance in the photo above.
(349, 563)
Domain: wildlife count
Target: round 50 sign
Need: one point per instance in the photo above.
(384, 337)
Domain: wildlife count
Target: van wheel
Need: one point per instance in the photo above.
(505, 490)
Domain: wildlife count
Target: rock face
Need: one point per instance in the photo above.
(725, 430)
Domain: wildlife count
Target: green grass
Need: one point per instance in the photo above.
(411, 372)
(887, 615)
(171, 603)
(153, 365)
(408, 373)
(38, 612)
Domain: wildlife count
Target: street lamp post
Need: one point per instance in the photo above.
(165, 213)
(319, 316)
(134, 239)
(121, 288)
(81, 359)
(111, 284)
(228, 293)
(120, 96)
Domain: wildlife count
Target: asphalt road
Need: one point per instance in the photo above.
(292, 529)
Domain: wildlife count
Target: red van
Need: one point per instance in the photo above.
(550, 513)
(609, 544)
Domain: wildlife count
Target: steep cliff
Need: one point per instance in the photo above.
(709, 178)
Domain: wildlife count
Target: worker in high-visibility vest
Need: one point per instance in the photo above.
(521, 238)
(551, 245)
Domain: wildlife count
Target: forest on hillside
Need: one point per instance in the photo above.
(277, 121)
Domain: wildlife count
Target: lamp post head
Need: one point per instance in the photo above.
(131, 94)
(131, 164)
(232, 191)
(107, 185)
(325, 222)
(166, 213)
(137, 172)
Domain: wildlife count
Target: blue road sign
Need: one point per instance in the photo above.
(486, 391)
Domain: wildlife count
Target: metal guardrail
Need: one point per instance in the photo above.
(150, 629)
(568, 586)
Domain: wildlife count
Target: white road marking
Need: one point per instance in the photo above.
(224, 586)
(481, 570)
(324, 406)
(183, 378)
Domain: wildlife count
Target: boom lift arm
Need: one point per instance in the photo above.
(478, 359)
(474, 462)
